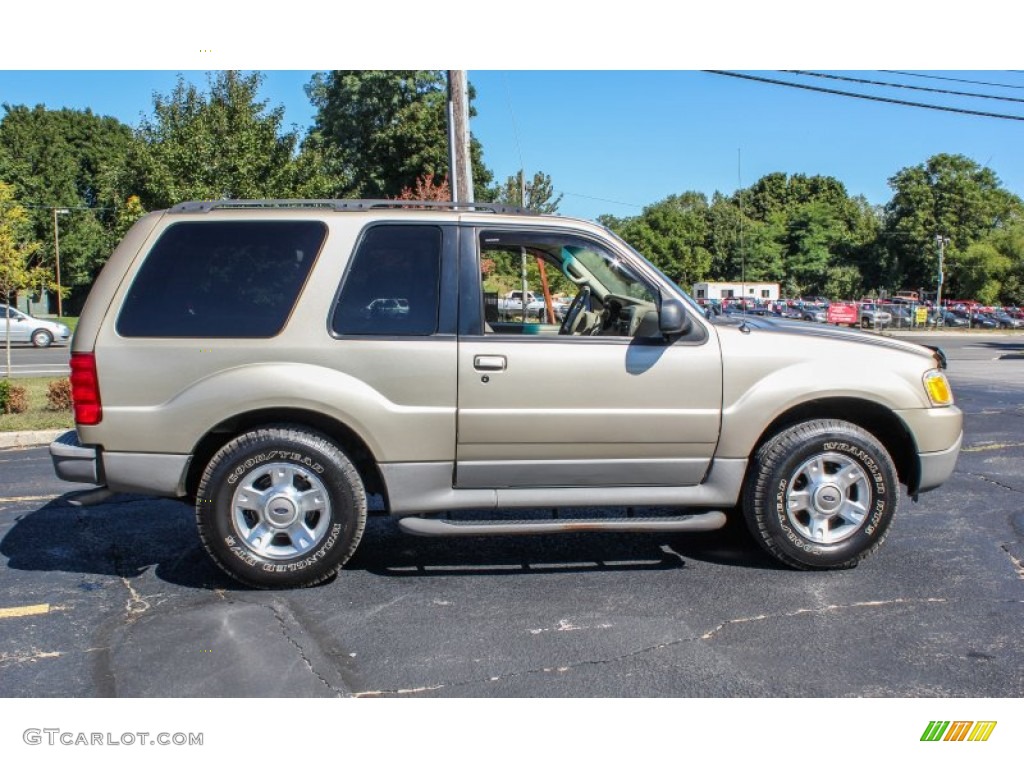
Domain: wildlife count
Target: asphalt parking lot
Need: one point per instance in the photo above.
(120, 600)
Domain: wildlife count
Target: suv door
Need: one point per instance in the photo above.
(611, 403)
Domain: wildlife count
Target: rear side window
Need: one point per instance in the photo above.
(221, 279)
(392, 285)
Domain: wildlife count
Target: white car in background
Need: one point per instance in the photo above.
(538, 308)
(26, 329)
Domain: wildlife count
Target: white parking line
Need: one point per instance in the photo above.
(24, 610)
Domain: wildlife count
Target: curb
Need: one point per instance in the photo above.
(29, 439)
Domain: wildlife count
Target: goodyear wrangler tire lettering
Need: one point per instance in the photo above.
(821, 494)
(283, 507)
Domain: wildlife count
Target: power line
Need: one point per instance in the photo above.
(864, 96)
(512, 114)
(602, 200)
(903, 85)
(68, 207)
(951, 79)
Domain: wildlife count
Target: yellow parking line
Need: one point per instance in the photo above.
(24, 610)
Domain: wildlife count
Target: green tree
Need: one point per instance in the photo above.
(1010, 242)
(811, 235)
(19, 269)
(540, 193)
(981, 271)
(66, 159)
(948, 195)
(992, 270)
(795, 230)
(843, 282)
(673, 234)
(127, 215)
(220, 144)
(377, 131)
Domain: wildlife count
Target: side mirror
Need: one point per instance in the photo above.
(673, 319)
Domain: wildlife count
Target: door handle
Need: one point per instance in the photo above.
(490, 362)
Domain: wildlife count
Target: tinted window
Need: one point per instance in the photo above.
(221, 279)
(392, 285)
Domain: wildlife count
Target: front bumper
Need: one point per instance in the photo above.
(937, 434)
(935, 468)
(155, 474)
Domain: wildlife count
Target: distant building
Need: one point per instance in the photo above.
(719, 291)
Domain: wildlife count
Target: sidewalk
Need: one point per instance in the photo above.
(29, 439)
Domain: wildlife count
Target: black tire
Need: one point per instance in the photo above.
(280, 507)
(41, 339)
(795, 503)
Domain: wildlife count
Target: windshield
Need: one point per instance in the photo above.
(682, 294)
(610, 271)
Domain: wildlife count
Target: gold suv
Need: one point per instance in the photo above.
(277, 362)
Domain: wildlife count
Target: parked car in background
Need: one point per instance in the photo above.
(387, 308)
(512, 302)
(902, 315)
(906, 297)
(872, 316)
(26, 329)
(791, 313)
(538, 308)
(813, 314)
(1006, 321)
(947, 319)
(976, 319)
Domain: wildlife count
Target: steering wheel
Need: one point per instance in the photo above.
(574, 311)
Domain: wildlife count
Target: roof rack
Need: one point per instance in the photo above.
(205, 206)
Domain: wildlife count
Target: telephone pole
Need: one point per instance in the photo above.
(461, 169)
(942, 241)
(56, 253)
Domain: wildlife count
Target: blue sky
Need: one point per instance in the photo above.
(614, 141)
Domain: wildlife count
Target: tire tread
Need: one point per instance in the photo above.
(252, 440)
(757, 492)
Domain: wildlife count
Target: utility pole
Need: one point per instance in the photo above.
(458, 137)
(942, 242)
(56, 253)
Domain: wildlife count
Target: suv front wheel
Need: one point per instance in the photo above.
(280, 507)
(821, 495)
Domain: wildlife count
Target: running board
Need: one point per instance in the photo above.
(423, 526)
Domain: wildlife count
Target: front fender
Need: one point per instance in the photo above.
(752, 405)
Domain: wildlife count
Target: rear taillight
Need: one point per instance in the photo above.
(85, 388)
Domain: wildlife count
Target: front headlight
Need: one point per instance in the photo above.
(937, 386)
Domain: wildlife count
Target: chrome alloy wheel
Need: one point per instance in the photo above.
(280, 511)
(828, 498)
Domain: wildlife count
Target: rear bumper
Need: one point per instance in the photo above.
(155, 474)
(74, 462)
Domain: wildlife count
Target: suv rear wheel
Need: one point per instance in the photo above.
(821, 495)
(280, 507)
